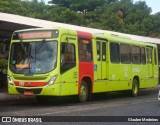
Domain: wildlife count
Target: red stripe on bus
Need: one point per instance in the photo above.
(84, 35)
(31, 84)
(86, 69)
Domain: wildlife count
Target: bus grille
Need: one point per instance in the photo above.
(35, 91)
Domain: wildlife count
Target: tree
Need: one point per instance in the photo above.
(115, 15)
(36, 9)
(155, 26)
(82, 6)
(13, 7)
(124, 16)
(63, 3)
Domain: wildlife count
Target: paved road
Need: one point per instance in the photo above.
(108, 104)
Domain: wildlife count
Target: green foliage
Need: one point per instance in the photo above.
(115, 15)
(35, 9)
(13, 7)
(82, 6)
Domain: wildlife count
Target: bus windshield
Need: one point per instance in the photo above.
(33, 57)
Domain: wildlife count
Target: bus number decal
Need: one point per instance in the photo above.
(134, 70)
(21, 83)
(95, 67)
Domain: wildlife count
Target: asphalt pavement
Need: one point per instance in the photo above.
(5, 97)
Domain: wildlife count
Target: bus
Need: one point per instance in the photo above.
(64, 62)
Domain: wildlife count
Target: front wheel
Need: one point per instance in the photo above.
(135, 88)
(83, 95)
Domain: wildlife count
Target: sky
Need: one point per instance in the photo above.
(154, 4)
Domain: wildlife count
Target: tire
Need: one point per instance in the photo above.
(135, 88)
(83, 94)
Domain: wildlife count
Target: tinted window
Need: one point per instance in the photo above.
(149, 55)
(143, 55)
(103, 51)
(68, 59)
(85, 50)
(125, 52)
(98, 51)
(114, 53)
(33, 57)
(155, 56)
(136, 55)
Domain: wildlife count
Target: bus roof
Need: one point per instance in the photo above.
(106, 35)
(121, 39)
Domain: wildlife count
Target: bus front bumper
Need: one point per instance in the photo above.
(46, 90)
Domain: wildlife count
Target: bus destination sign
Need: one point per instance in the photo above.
(36, 34)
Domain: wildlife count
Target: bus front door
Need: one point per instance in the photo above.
(68, 67)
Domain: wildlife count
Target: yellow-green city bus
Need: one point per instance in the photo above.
(63, 62)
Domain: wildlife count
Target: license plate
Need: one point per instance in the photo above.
(28, 93)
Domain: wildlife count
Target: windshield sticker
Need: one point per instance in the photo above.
(95, 67)
(33, 69)
(13, 62)
(22, 66)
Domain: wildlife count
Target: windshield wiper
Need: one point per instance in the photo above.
(38, 48)
(22, 45)
(36, 51)
(27, 56)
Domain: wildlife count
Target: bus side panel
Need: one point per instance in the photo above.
(120, 76)
(69, 82)
(85, 70)
(141, 72)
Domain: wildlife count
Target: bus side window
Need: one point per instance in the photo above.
(136, 57)
(149, 55)
(103, 51)
(98, 51)
(143, 55)
(68, 59)
(125, 52)
(155, 57)
(85, 50)
(114, 53)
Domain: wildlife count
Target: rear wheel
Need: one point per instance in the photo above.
(83, 95)
(135, 88)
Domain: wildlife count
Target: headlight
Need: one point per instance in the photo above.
(10, 81)
(51, 81)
